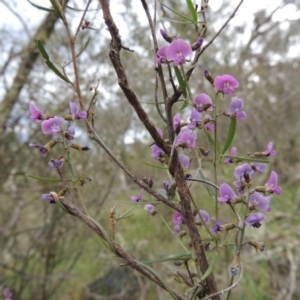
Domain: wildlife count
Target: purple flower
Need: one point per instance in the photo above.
(162, 55)
(258, 201)
(243, 174)
(167, 185)
(177, 51)
(56, 163)
(205, 216)
(225, 83)
(258, 168)
(226, 193)
(208, 124)
(150, 209)
(218, 226)
(235, 108)
(176, 123)
(70, 133)
(271, 184)
(232, 153)
(178, 218)
(43, 150)
(157, 153)
(138, 198)
(186, 139)
(184, 160)
(203, 102)
(195, 119)
(243, 171)
(35, 113)
(7, 294)
(49, 198)
(269, 151)
(76, 113)
(52, 126)
(255, 219)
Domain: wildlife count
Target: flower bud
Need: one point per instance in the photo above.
(197, 45)
(235, 265)
(261, 189)
(204, 151)
(182, 233)
(79, 147)
(228, 227)
(68, 118)
(50, 145)
(61, 193)
(209, 77)
(165, 36)
(257, 245)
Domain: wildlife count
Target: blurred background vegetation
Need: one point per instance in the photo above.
(46, 254)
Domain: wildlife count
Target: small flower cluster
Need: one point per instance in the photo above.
(186, 133)
(53, 125)
(255, 198)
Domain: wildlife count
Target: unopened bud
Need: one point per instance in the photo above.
(165, 36)
(260, 154)
(261, 189)
(228, 227)
(182, 233)
(61, 193)
(68, 118)
(235, 265)
(204, 151)
(257, 245)
(79, 147)
(197, 45)
(50, 145)
(209, 77)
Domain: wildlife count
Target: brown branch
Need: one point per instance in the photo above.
(133, 263)
(29, 57)
(196, 240)
(94, 136)
(114, 54)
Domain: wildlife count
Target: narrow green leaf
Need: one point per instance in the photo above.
(231, 134)
(56, 8)
(250, 159)
(81, 50)
(44, 178)
(49, 63)
(175, 12)
(211, 191)
(80, 10)
(56, 71)
(152, 102)
(154, 166)
(41, 7)
(125, 214)
(106, 241)
(181, 81)
(178, 22)
(210, 267)
(192, 10)
(42, 49)
(184, 105)
(168, 258)
(212, 141)
(63, 208)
